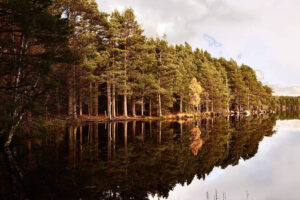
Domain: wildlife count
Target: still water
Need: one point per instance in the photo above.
(251, 158)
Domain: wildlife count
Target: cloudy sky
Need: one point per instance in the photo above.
(262, 34)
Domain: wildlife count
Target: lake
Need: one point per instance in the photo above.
(254, 158)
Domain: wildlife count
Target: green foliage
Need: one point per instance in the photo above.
(111, 50)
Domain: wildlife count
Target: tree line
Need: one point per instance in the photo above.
(121, 68)
(63, 57)
(287, 103)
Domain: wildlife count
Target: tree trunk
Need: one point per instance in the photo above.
(16, 176)
(96, 99)
(142, 107)
(12, 131)
(159, 135)
(159, 105)
(133, 108)
(74, 93)
(114, 138)
(181, 102)
(80, 141)
(70, 101)
(181, 129)
(143, 128)
(109, 100)
(125, 136)
(91, 99)
(109, 142)
(80, 109)
(113, 101)
(125, 106)
(75, 146)
(74, 110)
(71, 141)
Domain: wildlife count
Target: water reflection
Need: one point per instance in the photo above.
(133, 160)
(288, 115)
(272, 174)
(197, 142)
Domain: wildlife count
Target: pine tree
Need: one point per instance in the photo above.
(166, 72)
(186, 71)
(251, 82)
(88, 24)
(239, 91)
(130, 43)
(112, 71)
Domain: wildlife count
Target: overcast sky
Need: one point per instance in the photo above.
(262, 34)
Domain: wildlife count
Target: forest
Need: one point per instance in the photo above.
(68, 59)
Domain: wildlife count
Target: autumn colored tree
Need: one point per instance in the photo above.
(195, 90)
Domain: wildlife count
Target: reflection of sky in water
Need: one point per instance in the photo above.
(272, 174)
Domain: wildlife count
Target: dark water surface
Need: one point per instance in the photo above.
(252, 158)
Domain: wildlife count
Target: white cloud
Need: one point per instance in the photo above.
(286, 91)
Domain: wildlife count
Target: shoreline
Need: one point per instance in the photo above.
(179, 117)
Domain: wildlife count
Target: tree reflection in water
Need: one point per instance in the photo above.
(132, 160)
(197, 142)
